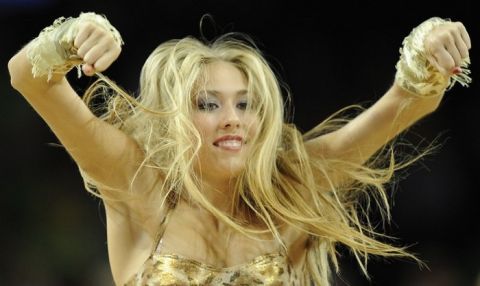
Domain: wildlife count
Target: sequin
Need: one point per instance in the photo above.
(170, 269)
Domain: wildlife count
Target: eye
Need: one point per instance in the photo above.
(207, 105)
(242, 105)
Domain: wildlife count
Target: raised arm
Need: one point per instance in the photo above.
(103, 152)
(431, 59)
(106, 154)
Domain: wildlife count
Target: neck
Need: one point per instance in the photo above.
(219, 192)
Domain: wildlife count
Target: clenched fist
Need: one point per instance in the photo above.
(96, 46)
(446, 47)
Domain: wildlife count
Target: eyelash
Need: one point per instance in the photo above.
(243, 105)
(209, 106)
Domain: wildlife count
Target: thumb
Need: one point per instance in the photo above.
(88, 69)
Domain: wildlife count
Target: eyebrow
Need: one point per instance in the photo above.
(216, 92)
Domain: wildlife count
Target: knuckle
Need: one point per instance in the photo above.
(97, 33)
(101, 32)
(81, 52)
(87, 25)
(449, 63)
(459, 25)
(437, 53)
(446, 37)
(435, 45)
(88, 59)
(117, 49)
(98, 67)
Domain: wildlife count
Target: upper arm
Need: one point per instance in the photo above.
(108, 156)
(104, 153)
(367, 133)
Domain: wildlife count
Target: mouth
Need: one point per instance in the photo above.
(229, 143)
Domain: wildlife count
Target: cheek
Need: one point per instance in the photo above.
(253, 126)
(202, 124)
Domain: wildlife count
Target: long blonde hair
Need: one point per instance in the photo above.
(280, 183)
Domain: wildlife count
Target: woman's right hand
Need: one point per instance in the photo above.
(96, 46)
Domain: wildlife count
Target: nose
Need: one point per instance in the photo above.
(231, 118)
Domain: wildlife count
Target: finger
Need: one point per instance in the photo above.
(94, 53)
(443, 61)
(433, 61)
(464, 35)
(461, 46)
(457, 70)
(88, 43)
(106, 59)
(435, 48)
(88, 70)
(84, 32)
(452, 49)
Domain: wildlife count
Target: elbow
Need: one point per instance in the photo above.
(13, 72)
(22, 79)
(19, 70)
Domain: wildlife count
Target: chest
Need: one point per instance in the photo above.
(199, 237)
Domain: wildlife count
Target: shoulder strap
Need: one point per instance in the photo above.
(157, 244)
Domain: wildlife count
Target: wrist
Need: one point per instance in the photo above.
(53, 52)
(416, 74)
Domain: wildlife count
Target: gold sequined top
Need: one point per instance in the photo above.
(171, 269)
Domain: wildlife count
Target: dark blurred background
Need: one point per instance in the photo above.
(330, 54)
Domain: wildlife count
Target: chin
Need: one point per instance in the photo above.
(231, 170)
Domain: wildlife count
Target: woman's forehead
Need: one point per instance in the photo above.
(221, 74)
(222, 77)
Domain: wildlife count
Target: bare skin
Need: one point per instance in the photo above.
(87, 139)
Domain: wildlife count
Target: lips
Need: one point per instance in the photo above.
(229, 142)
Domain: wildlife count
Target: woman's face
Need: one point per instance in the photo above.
(225, 124)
